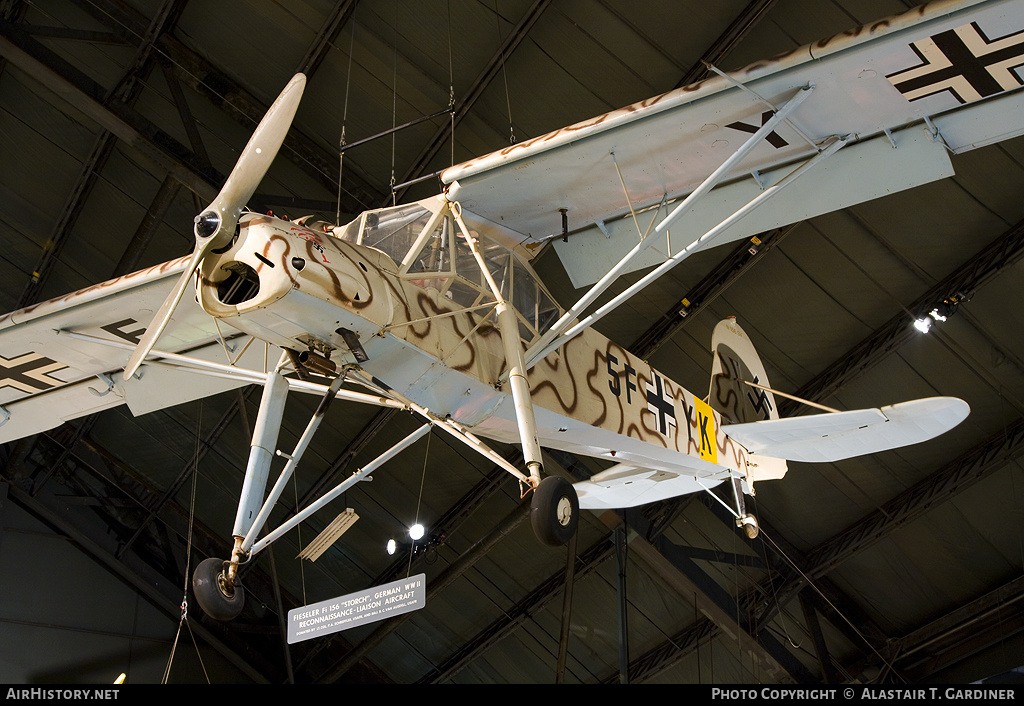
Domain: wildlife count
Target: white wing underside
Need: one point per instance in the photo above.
(663, 147)
(61, 359)
(818, 438)
(822, 438)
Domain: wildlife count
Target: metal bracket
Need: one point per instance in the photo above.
(107, 381)
(933, 133)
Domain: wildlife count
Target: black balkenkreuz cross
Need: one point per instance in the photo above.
(29, 372)
(773, 138)
(661, 403)
(964, 62)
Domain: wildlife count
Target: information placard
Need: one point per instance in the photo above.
(346, 612)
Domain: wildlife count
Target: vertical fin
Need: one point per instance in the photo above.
(735, 364)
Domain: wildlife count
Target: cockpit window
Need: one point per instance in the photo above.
(394, 230)
(432, 252)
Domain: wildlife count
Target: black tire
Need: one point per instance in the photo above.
(554, 511)
(217, 600)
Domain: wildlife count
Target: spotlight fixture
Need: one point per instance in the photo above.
(392, 547)
(940, 312)
(416, 531)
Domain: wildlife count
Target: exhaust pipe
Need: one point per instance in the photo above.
(318, 363)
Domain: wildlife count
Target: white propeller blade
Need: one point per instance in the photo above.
(216, 224)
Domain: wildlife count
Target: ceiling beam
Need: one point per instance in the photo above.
(456, 569)
(545, 592)
(336, 19)
(992, 454)
(969, 630)
(1005, 251)
(86, 96)
(210, 81)
(736, 31)
(713, 284)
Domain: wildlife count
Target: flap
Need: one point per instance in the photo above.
(624, 485)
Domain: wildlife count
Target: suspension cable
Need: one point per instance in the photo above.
(504, 78)
(183, 620)
(344, 116)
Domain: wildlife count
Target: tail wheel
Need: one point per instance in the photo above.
(749, 524)
(554, 511)
(218, 599)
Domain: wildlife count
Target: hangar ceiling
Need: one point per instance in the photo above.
(119, 120)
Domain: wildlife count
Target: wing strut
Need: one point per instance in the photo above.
(709, 183)
(539, 350)
(359, 475)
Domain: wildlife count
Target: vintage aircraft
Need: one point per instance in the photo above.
(433, 307)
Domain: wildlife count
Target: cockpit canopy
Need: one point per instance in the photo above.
(431, 251)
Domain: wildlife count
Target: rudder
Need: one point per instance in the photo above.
(736, 362)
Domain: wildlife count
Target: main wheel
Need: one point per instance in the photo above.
(217, 599)
(554, 511)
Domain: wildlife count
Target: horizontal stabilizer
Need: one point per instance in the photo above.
(834, 436)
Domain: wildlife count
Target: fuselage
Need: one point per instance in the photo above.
(297, 286)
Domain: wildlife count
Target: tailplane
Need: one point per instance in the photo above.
(740, 392)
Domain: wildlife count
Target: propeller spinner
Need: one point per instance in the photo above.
(215, 225)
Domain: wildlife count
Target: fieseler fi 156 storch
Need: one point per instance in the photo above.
(433, 306)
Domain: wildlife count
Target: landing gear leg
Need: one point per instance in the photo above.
(215, 582)
(554, 511)
(743, 519)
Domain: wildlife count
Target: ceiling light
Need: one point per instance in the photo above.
(924, 324)
(416, 531)
(392, 546)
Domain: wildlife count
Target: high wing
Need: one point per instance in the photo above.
(894, 88)
(820, 438)
(52, 371)
(62, 359)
